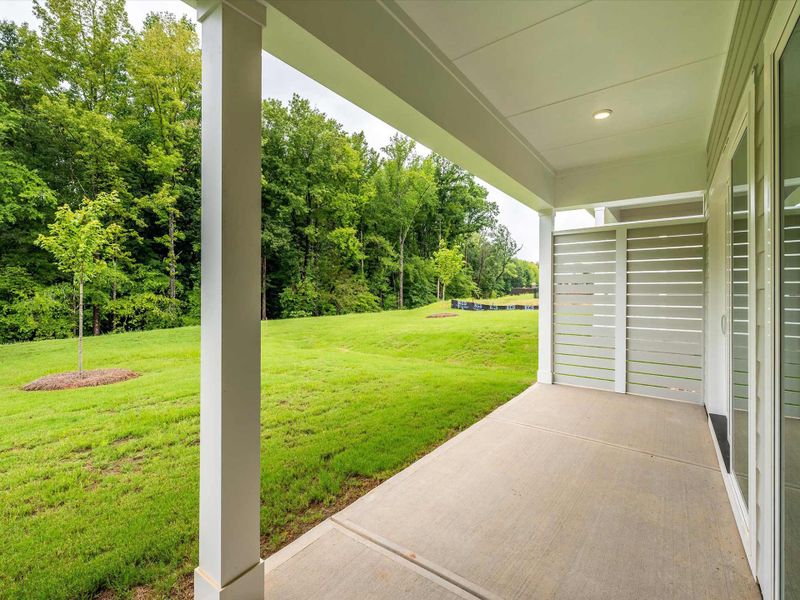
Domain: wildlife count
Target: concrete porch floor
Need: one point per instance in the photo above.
(562, 492)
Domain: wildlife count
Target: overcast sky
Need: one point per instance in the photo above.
(281, 81)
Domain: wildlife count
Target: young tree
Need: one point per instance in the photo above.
(404, 186)
(77, 240)
(448, 263)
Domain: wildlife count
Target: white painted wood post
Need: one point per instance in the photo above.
(230, 341)
(545, 373)
(620, 313)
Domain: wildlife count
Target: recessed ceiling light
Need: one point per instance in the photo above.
(602, 114)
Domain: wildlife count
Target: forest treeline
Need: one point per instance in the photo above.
(99, 119)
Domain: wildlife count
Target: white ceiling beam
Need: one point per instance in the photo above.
(668, 178)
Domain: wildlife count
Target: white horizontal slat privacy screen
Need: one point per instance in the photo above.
(657, 273)
(665, 311)
(584, 267)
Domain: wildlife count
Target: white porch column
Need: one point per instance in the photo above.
(545, 374)
(230, 349)
(621, 313)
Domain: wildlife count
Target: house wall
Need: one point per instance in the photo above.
(745, 67)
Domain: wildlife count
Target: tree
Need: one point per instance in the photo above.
(85, 48)
(77, 240)
(489, 254)
(461, 207)
(505, 248)
(90, 107)
(26, 202)
(404, 186)
(165, 70)
(86, 152)
(449, 263)
(313, 191)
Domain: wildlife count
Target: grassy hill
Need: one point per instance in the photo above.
(98, 486)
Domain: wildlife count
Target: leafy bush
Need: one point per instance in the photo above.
(300, 300)
(144, 310)
(44, 313)
(192, 316)
(420, 283)
(462, 286)
(352, 295)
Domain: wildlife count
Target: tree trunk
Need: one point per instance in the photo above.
(114, 282)
(307, 240)
(444, 287)
(401, 273)
(172, 266)
(95, 320)
(361, 238)
(263, 288)
(114, 297)
(438, 289)
(80, 326)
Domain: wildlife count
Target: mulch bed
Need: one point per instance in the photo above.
(71, 379)
(441, 315)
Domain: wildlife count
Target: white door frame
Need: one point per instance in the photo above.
(781, 25)
(744, 512)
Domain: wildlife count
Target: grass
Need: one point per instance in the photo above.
(98, 486)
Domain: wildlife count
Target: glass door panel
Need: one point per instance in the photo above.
(789, 273)
(740, 312)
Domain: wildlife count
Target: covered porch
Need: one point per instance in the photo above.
(563, 492)
(620, 491)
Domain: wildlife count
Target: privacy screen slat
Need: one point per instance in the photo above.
(578, 350)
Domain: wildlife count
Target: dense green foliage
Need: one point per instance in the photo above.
(88, 106)
(99, 485)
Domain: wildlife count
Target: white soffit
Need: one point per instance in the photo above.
(548, 66)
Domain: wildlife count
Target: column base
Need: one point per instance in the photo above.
(544, 377)
(248, 586)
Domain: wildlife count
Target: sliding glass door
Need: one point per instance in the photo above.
(789, 298)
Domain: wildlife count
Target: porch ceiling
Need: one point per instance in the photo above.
(548, 66)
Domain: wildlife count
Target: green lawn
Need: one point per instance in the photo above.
(98, 487)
